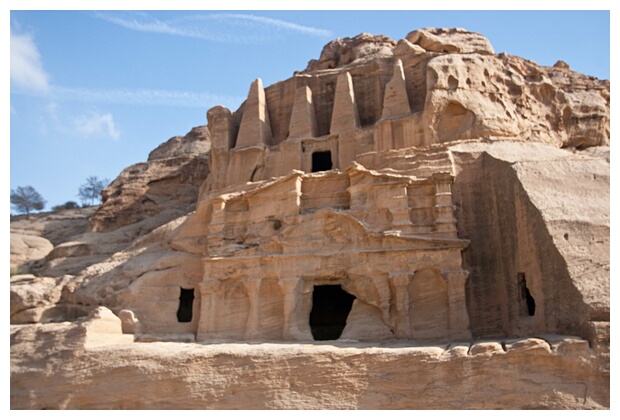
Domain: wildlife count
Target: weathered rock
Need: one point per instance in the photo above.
(196, 142)
(511, 98)
(28, 248)
(56, 227)
(33, 238)
(528, 374)
(141, 267)
(451, 40)
(91, 248)
(34, 299)
(169, 180)
(549, 206)
(344, 51)
(103, 328)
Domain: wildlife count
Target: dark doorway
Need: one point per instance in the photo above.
(330, 308)
(322, 161)
(186, 303)
(527, 300)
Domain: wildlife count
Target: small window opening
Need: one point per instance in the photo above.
(322, 161)
(330, 308)
(186, 303)
(528, 304)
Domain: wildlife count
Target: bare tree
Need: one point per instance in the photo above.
(90, 191)
(25, 199)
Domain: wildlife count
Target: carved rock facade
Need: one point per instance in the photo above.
(391, 194)
(336, 185)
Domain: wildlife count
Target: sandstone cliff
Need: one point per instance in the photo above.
(167, 182)
(453, 201)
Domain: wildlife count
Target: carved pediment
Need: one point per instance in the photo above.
(327, 232)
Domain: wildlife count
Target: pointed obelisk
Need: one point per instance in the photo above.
(395, 100)
(303, 117)
(255, 126)
(344, 114)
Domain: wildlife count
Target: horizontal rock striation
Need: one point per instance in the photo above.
(73, 368)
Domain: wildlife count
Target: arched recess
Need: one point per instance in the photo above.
(331, 306)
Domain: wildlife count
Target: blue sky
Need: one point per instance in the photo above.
(92, 92)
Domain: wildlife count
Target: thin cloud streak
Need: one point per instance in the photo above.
(142, 97)
(147, 24)
(270, 22)
(153, 97)
(223, 26)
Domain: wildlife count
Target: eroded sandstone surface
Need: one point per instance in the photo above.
(94, 369)
(166, 184)
(417, 208)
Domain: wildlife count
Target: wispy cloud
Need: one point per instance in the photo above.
(273, 23)
(217, 27)
(26, 68)
(141, 97)
(96, 124)
(151, 97)
(142, 22)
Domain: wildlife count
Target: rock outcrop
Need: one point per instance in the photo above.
(452, 40)
(27, 248)
(33, 299)
(32, 239)
(342, 52)
(168, 182)
(425, 208)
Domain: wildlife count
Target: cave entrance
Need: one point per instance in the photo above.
(186, 304)
(322, 161)
(330, 308)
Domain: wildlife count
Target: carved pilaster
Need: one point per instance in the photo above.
(290, 291)
(207, 325)
(400, 286)
(458, 321)
(445, 222)
(252, 287)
